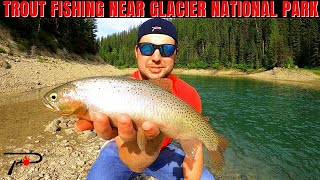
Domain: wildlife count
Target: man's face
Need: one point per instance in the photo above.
(155, 66)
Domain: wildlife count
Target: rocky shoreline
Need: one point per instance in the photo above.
(70, 155)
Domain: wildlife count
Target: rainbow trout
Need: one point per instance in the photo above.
(141, 100)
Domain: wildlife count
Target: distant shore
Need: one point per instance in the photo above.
(29, 73)
(299, 77)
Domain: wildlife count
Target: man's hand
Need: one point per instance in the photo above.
(125, 135)
(100, 122)
(125, 129)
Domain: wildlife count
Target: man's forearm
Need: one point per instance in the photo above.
(134, 158)
(192, 169)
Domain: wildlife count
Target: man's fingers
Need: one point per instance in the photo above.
(82, 125)
(125, 128)
(102, 126)
(151, 130)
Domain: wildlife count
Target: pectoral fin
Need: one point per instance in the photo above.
(141, 139)
(190, 147)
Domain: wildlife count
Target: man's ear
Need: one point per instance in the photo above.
(177, 51)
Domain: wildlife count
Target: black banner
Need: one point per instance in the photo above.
(165, 9)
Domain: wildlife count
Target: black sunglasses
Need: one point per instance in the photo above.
(166, 50)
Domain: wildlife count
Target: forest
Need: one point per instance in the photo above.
(242, 43)
(74, 34)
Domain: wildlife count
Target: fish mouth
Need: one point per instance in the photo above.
(54, 108)
(49, 106)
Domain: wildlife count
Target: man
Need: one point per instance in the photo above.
(121, 158)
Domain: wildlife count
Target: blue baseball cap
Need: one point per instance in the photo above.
(158, 26)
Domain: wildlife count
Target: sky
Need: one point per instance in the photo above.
(107, 26)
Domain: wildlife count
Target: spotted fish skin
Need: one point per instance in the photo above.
(142, 101)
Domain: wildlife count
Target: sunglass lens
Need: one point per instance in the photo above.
(167, 50)
(147, 49)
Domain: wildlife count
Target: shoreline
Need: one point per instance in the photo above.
(297, 77)
(28, 74)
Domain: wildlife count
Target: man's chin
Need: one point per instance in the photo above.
(155, 76)
(152, 75)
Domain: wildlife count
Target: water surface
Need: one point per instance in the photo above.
(273, 129)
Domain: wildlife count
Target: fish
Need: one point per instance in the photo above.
(142, 100)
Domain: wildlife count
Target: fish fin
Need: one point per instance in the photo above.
(216, 155)
(164, 83)
(141, 139)
(190, 147)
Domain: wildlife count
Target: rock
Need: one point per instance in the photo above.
(4, 64)
(54, 126)
(64, 125)
(47, 177)
(59, 137)
(71, 120)
(69, 131)
(29, 146)
(64, 141)
(40, 136)
(88, 135)
(81, 163)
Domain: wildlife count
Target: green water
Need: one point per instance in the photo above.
(273, 130)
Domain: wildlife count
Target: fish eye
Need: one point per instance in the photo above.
(54, 96)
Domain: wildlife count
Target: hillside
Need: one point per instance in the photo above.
(37, 68)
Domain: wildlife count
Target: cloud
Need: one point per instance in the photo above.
(107, 26)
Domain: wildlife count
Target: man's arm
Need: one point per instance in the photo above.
(192, 169)
(129, 152)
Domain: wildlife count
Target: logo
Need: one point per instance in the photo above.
(25, 160)
(156, 28)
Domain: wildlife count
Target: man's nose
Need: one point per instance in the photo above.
(156, 57)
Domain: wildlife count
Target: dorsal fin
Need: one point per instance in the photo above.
(164, 83)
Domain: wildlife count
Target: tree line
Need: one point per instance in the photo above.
(243, 43)
(75, 34)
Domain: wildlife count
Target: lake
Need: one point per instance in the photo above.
(273, 130)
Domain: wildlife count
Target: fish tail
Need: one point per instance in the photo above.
(222, 143)
(216, 155)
